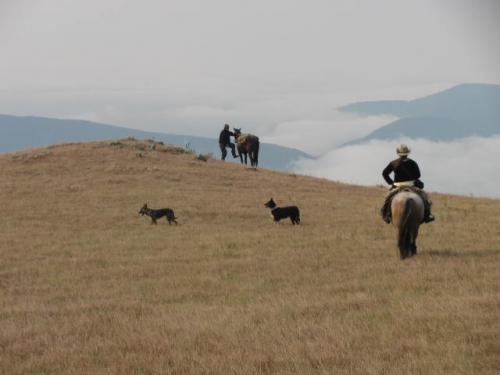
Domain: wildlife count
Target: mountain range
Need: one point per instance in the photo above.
(19, 132)
(462, 111)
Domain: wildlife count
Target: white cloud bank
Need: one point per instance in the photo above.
(321, 135)
(467, 166)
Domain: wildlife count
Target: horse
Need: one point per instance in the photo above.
(407, 209)
(247, 144)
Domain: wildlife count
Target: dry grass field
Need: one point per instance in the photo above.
(87, 286)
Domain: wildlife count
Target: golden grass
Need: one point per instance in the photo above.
(89, 286)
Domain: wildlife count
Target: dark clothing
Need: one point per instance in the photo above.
(225, 137)
(224, 151)
(404, 170)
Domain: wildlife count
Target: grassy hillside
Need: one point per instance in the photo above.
(89, 286)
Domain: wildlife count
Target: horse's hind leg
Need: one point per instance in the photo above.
(402, 252)
(414, 242)
(414, 247)
(253, 162)
(401, 240)
(404, 245)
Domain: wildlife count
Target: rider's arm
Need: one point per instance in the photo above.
(417, 171)
(386, 172)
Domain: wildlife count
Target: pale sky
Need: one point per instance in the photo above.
(190, 66)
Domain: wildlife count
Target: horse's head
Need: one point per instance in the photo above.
(237, 132)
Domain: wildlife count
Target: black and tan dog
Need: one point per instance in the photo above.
(279, 213)
(157, 214)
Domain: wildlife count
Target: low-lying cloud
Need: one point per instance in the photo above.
(466, 166)
(317, 137)
(306, 121)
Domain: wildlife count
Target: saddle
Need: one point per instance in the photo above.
(244, 138)
(398, 189)
(386, 208)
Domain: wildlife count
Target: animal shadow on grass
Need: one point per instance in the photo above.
(447, 253)
(158, 214)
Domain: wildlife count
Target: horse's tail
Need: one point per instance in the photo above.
(257, 146)
(404, 227)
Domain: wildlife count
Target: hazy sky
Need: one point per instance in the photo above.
(278, 68)
(189, 66)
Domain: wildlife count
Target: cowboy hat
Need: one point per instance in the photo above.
(403, 150)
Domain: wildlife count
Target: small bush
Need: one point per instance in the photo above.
(189, 149)
(203, 157)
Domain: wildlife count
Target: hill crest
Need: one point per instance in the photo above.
(20, 132)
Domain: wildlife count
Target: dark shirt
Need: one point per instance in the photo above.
(224, 137)
(404, 170)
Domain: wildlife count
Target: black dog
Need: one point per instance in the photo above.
(157, 214)
(283, 212)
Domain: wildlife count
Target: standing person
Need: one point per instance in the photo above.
(406, 174)
(225, 141)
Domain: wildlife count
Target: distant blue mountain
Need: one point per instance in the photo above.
(18, 132)
(462, 111)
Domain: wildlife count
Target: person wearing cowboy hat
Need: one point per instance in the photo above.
(225, 141)
(406, 174)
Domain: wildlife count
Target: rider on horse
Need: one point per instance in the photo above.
(225, 141)
(406, 175)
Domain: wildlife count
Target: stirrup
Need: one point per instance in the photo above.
(429, 219)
